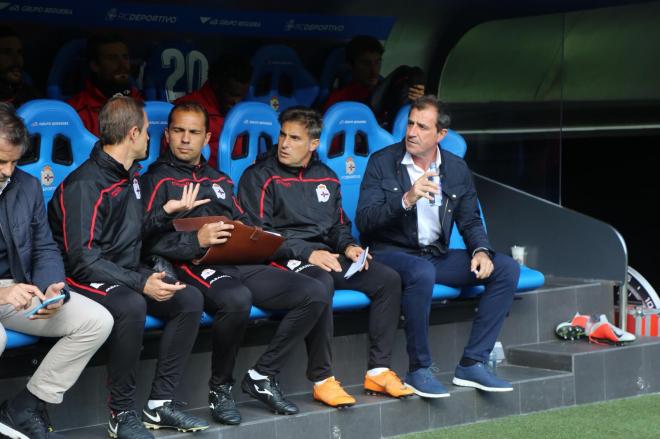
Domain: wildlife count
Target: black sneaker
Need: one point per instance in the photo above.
(268, 391)
(29, 423)
(222, 405)
(168, 415)
(127, 425)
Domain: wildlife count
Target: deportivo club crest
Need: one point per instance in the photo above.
(47, 175)
(350, 166)
(219, 191)
(136, 188)
(322, 193)
(275, 103)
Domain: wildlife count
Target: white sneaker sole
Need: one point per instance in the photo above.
(428, 395)
(11, 433)
(468, 383)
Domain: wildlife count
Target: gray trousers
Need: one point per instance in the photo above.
(82, 326)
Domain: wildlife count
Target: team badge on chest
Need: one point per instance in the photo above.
(219, 191)
(322, 193)
(136, 188)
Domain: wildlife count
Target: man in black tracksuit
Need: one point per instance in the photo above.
(230, 290)
(291, 192)
(96, 218)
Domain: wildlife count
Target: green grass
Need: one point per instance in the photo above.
(637, 417)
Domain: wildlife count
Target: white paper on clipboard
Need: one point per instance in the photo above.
(358, 265)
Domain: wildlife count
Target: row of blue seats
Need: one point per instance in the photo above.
(52, 118)
(274, 63)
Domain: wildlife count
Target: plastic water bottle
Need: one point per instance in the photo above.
(496, 355)
(492, 360)
(433, 168)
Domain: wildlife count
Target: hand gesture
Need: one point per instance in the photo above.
(326, 260)
(481, 265)
(422, 188)
(50, 310)
(160, 290)
(188, 200)
(214, 233)
(415, 91)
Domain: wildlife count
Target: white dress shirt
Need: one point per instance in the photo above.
(428, 217)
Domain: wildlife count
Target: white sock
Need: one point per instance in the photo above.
(376, 371)
(318, 383)
(256, 375)
(155, 403)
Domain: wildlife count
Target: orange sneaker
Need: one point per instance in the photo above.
(386, 383)
(331, 393)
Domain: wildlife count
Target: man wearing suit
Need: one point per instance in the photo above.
(405, 214)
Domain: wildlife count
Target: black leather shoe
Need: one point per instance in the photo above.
(126, 425)
(29, 423)
(268, 391)
(222, 405)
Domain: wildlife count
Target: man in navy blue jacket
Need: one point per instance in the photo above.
(31, 270)
(406, 216)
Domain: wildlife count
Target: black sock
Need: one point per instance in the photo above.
(467, 362)
(24, 400)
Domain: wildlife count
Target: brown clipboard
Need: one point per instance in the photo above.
(247, 244)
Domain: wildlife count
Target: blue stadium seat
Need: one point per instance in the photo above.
(173, 70)
(255, 120)
(157, 113)
(335, 74)
(349, 300)
(280, 79)
(69, 65)
(52, 123)
(18, 339)
(255, 314)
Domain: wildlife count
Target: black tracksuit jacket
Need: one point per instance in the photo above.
(302, 204)
(164, 181)
(96, 219)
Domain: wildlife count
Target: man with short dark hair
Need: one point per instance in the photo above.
(230, 290)
(110, 68)
(31, 271)
(292, 193)
(96, 218)
(407, 220)
(227, 85)
(13, 87)
(365, 56)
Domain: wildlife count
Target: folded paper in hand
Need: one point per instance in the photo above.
(247, 244)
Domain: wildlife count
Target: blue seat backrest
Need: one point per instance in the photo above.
(173, 70)
(53, 122)
(157, 113)
(281, 63)
(336, 73)
(69, 64)
(257, 121)
(349, 119)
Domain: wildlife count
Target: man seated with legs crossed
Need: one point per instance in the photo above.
(96, 217)
(411, 234)
(291, 192)
(31, 271)
(229, 290)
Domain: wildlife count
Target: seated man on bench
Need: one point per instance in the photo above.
(96, 218)
(229, 290)
(291, 192)
(407, 219)
(31, 271)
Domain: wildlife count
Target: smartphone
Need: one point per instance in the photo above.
(44, 304)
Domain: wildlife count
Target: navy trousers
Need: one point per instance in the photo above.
(420, 272)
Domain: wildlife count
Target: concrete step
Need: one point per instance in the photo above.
(601, 372)
(375, 417)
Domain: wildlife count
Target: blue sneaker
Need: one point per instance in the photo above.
(480, 377)
(424, 384)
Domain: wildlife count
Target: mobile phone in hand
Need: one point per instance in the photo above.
(44, 304)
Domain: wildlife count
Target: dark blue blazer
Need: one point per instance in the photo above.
(385, 225)
(33, 255)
